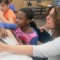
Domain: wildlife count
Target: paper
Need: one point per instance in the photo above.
(10, 41)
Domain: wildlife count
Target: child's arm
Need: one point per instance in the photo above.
(7, 26)
(1, 25)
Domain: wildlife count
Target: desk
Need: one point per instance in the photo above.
(9, 56)
(10, 39)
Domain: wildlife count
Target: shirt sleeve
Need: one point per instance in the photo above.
(7, 26)
(12, 7)
(48, 49)
(1, 25)
(34, 41)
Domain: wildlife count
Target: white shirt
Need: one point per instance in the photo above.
(50, 50)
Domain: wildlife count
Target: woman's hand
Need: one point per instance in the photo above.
(3, 33)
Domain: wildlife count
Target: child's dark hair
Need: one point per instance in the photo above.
(5, 1)
(29, 13)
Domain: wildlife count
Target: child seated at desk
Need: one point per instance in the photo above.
(22, 29)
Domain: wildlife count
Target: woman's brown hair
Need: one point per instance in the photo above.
(57, 21)
(56, 17)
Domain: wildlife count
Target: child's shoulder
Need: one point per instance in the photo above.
(29, 31)
(33, 32)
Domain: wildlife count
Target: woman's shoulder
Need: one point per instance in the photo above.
(57, 38)
(56, 41)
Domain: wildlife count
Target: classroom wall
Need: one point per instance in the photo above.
(33, 3)
(18, 4)
(23, 3)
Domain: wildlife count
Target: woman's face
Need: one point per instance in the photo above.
(50, 20)
(4, 7)
(21, 19)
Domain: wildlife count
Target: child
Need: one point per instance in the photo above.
(22, 29)
(7, 15)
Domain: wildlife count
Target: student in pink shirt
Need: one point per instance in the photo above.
(22, 30)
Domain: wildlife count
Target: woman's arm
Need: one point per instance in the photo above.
(49, 49)
(45, 50)
(18, 49)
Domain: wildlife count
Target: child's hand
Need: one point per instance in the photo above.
(1, 14)
(42, 29)
(20, 41)
(3, 33)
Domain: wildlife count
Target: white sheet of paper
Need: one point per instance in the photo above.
(10, 41)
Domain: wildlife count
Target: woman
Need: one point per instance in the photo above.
(7, 15)
(50, 49)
